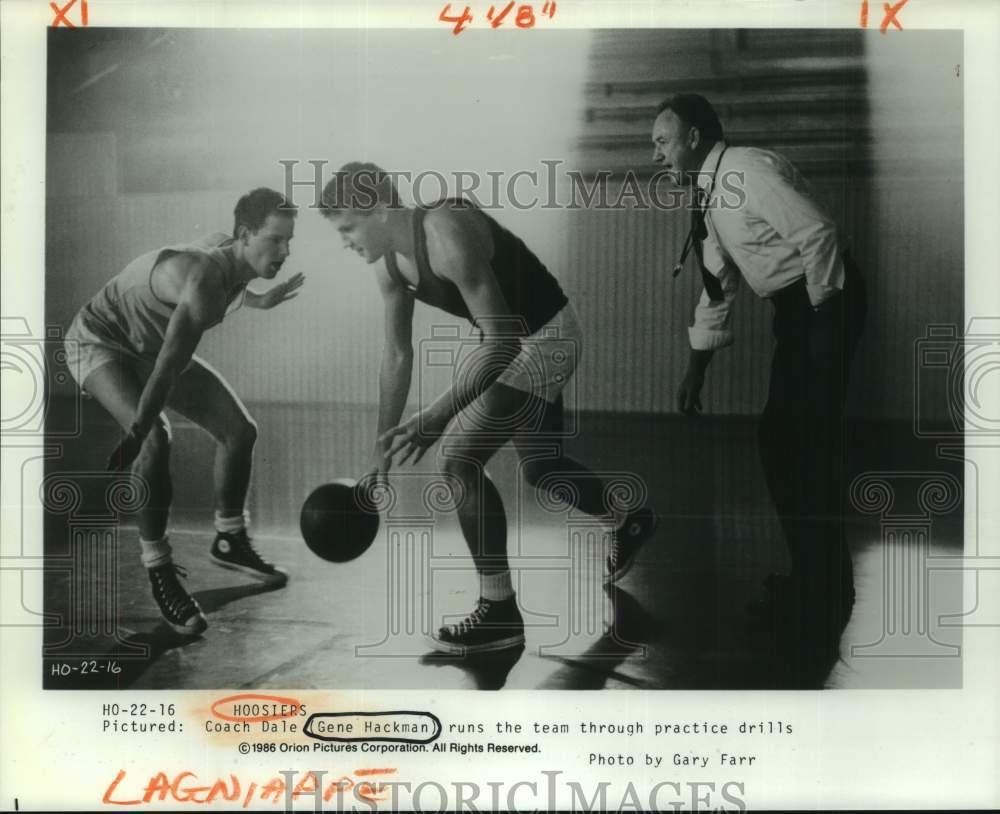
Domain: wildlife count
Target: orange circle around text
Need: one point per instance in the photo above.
(256, 719)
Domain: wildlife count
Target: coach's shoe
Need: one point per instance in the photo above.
(776, 608)
(235, 550)
(778, 594)
(180, 610)
(786, 604)
(493, 625)
(626, 540)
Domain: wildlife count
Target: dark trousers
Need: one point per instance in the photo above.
(802, 438)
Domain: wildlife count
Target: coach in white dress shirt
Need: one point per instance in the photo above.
(758, 219)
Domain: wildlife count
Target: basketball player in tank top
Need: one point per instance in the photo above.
(132, 349)
(509, 388)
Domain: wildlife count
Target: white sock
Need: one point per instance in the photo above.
(230, 525)
(155, 552)
(496, 587)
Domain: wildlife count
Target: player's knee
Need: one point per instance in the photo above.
(243, 435)
(460, 479)
(459, 467)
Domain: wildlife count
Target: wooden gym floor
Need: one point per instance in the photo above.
(677, 621)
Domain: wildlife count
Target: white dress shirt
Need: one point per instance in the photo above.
(774, 232)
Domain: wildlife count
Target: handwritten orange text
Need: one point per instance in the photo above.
(62, 11)
(890, 12)
(523, 16)
(187, 787)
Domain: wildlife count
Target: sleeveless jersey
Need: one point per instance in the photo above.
(126, 312)
(529, 288)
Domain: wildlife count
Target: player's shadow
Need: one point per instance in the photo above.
(213, 599)
(134, 653)
(158, 641)
(488, 671)
(121, 662)
(629, 633)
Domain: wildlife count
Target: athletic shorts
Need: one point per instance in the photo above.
(548, 357)
(88, 348)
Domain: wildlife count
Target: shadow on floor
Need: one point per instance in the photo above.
(630, 631)
(213, 599)
(488, 671)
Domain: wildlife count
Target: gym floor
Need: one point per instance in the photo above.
(677, 621)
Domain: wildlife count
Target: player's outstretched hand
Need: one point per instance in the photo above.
(413, 437)
(282, 292)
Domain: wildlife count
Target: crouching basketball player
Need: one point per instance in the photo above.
(456, 258)
(132, 349)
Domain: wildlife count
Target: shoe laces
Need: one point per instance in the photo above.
(168, 588)
(628, 531)
(163, 574)
(244, 542)
(615, 549)
(474, 619)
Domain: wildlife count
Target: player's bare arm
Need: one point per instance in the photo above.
(396, 368)
(188, 282)
(459, 252)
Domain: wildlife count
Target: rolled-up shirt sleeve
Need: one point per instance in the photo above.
(783, 199)
(712, 328)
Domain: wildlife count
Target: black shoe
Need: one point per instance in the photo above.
(177, 606)
(235, 550)
(626, 540)
(784, 600)
(778, 597)
(777, 613)
(493, 625)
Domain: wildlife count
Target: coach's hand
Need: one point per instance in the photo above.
(689, 396)
(127, 451)
(415, 436)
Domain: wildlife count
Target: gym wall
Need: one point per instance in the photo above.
(170, 166)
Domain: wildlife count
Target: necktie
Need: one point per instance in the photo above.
(698, 234)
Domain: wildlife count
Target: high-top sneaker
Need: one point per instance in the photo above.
(180, 610)
(492, 625)
(235, 550)
(626, 540)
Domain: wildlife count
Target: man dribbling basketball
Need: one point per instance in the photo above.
(456, 258)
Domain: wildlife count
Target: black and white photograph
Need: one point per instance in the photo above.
(503, 353)
(593, 364)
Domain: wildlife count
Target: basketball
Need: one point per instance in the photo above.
(335, 524)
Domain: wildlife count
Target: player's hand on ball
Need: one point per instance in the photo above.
(414, 437)
(380, 462)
